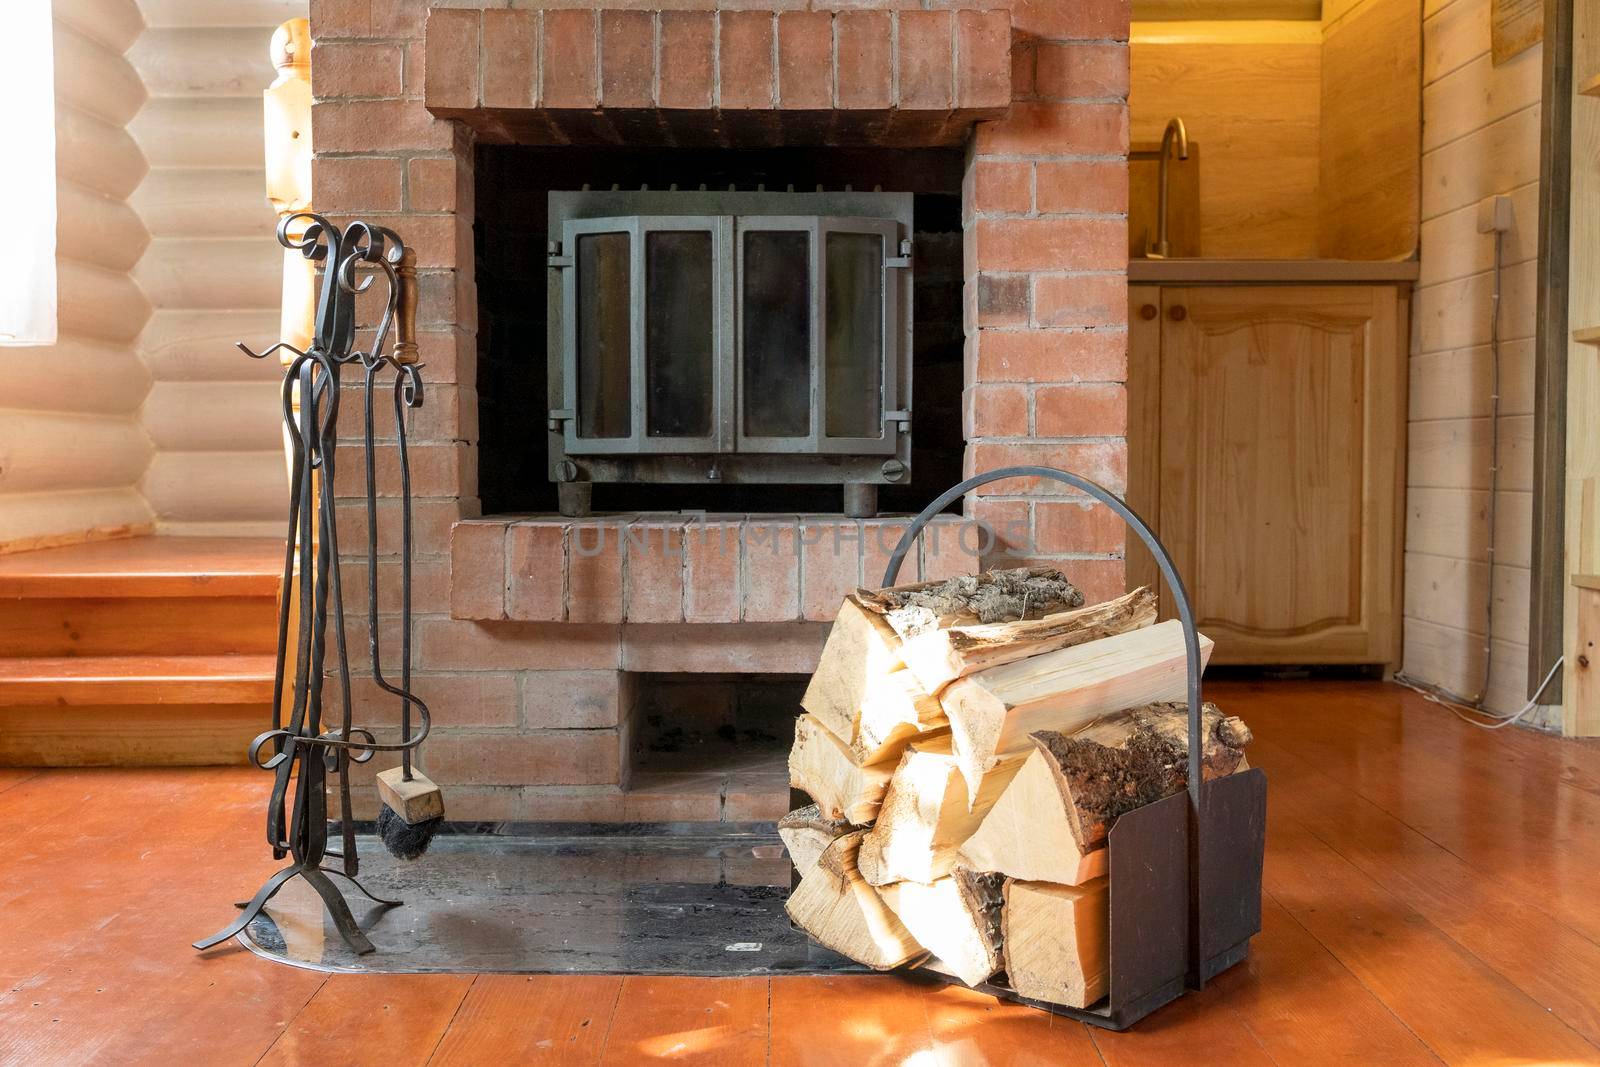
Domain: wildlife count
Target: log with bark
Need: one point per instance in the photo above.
(820, 765)
(957, 918)
(1050, 824)
(994, 596)
(837, 907)
(992, 712)
(940, 656)
(1056, 941)
(927, 814)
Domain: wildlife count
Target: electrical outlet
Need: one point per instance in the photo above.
(1494, 214)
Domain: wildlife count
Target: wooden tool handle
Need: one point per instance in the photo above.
(405, 331)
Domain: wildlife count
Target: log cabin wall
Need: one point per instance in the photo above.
(70, 438)
(1480, 138)
(212, 269)
(1249, 93)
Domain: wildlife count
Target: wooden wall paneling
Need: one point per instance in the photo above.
(1183, 200)
(1547, 593)
(1369, 156)
(1250, 93)
(1282, 452)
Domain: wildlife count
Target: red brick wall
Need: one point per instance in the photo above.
(529, 681)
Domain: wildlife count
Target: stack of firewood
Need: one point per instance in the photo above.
(967, 743)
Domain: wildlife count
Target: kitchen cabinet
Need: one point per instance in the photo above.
(1267, 448)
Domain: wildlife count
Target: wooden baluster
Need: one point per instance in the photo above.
(286, 111)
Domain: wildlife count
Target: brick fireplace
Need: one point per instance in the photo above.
(544, 643)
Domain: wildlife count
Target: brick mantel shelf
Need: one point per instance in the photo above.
(746, 77)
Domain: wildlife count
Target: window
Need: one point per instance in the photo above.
(719, 328)
(28, 179)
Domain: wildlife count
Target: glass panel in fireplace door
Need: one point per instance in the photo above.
(604, 335)
(775, 317)
(680, 333)
(853, 335)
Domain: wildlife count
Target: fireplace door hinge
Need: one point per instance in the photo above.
(557, 259)
(903, 260)
(559, 417)
(901, 420)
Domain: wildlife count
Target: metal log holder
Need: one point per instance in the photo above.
(303, 749)
(1184, 873)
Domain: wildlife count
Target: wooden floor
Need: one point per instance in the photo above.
(1432, 895)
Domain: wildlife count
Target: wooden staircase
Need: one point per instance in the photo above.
(150, 651)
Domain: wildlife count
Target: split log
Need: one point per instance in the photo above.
(994, 596)
(1056, 941)
(939, 657)
(821, 765)
(927, 814)
(837, 907)
(860, 651)
(894, 712)
(806, 833)
(992, 712)
(1050, 825)
(957, 918)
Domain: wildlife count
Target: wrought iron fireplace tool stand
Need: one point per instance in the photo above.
(305, 750)
(1184, 873)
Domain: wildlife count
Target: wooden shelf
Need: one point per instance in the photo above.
(1591, 87)
(1589, 335)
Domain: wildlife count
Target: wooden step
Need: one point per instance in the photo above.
(130, 735)
(142, 680)
(142, 651)
(142, 596)
(147, 567)
(137, 626)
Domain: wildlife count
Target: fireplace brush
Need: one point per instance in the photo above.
(302, 751)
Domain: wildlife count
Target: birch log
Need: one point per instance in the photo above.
(821, 765)
(927, 814)
(1056, 941)
(837, 907)
(1051, 823)
(992, 712)
(957, 918)
(938, 657)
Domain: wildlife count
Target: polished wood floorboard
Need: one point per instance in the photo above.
(1431, 896)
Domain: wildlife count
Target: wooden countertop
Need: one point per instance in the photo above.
(1271, 271)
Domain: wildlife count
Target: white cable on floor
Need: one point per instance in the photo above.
(1439, 696)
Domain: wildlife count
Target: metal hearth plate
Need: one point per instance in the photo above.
(562, 899)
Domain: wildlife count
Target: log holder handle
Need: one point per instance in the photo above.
(1184, 873)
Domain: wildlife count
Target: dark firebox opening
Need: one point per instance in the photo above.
(510, 237)
(713, 723)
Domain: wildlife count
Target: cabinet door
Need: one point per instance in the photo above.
(1144, 429)
(1282, 461)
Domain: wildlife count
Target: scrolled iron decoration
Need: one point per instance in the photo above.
(302, 751)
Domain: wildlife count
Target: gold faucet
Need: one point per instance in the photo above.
(1175, 131)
